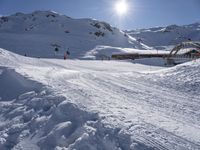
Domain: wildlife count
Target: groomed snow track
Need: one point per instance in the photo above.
(95, 105)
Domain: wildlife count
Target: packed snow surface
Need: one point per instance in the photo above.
(97, 105)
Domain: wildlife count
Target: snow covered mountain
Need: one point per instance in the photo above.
(39, 33)
(166, 36)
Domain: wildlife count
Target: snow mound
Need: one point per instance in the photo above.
(33, 118)
(184, 77)
(39, 119)
(13, 84)
(107, 51)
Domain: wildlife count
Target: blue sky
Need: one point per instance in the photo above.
(142, 13)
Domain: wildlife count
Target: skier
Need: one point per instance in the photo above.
(65, 56)
(68, 53)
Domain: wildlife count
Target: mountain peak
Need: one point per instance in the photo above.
(39, 33)
(44, 13)
(162, 37)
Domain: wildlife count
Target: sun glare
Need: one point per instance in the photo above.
(121, 7)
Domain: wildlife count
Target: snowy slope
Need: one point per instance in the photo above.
(37, 34)
(100, 51)
(165, 36)
(76, 104)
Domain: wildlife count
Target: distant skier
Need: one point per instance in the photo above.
(67, 54)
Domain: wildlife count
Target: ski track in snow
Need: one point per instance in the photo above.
(116, 105)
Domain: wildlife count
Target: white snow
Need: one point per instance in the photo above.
(38, 33)
(165, 36)
(93, 105)
(108, 51)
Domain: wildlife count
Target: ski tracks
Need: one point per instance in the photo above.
(151, 114)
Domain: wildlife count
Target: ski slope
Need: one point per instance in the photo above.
(94, 105)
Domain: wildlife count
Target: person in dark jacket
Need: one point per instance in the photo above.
(66, 54)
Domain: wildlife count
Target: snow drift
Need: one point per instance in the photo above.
(13, 84)
(184, 77)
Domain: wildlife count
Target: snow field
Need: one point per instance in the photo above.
(99, 105)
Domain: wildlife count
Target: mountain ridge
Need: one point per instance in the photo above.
(158, 37)
(38, 34)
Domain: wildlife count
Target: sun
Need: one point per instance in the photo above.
(121, 7)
